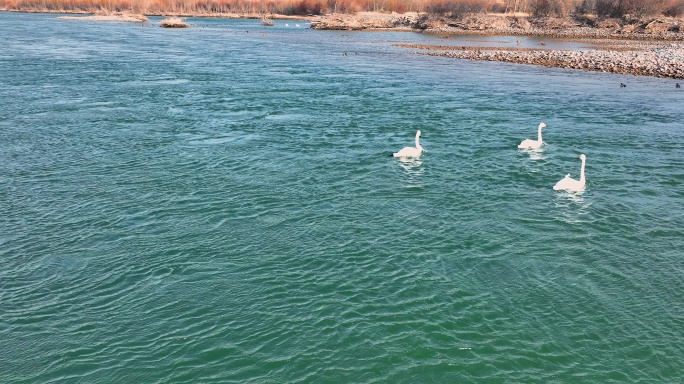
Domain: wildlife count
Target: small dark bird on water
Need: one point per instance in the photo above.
(677, 85)
(622, 85)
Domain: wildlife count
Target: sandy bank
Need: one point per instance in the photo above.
(110, 18)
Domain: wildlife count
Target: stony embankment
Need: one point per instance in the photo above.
(662, 61)
(367, 21)
(654, 28)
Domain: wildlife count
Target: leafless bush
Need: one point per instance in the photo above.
(675, 9)
(585, 7)
(621, 8)
(457, 8)
(641, 8)
(545, 8)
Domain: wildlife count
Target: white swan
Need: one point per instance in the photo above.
(411, 151)
(571, 185)
(533, 144)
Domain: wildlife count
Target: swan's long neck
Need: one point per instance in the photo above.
(539, 137)
(582, 179)
(418, 142)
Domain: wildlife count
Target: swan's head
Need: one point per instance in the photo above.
(418, 133)
(542, 125)
(583, 157)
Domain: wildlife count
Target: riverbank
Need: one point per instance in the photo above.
(642, 47)
(654, 28)
(121, 18)
(648, 47)
(658, 60)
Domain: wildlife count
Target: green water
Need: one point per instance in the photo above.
(218, 204)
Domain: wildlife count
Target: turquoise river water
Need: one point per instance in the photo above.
(218, 204)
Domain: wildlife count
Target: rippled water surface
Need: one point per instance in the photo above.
(218, 204)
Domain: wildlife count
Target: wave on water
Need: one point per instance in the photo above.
(184, 212)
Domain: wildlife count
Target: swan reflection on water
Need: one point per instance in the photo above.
(536, 157)
(536, 154)
(572, 207)
(414, 171)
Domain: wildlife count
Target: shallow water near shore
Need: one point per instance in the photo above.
(218, 204)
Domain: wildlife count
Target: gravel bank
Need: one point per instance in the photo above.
(111, 18)
(665, 60)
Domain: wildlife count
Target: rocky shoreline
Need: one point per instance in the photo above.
(649, 47)
(665, 61)
(656, 28)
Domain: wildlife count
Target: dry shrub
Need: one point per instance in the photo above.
(641, 8)
(457, 8)
(609, 8)
(545, 8)
(449, 8)
(674, 9)
(622, 8)
(399, 6)
(585, 7)
(308, 7)
(9, 4)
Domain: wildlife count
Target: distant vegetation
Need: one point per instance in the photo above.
(451, 8)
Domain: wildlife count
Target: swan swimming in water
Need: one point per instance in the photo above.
(571, 185)
(411, 151)
(533, 144)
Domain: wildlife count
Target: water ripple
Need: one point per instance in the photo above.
(218, 205)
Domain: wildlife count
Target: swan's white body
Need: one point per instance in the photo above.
(411, 151)
(571, 185)
(533, 144)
